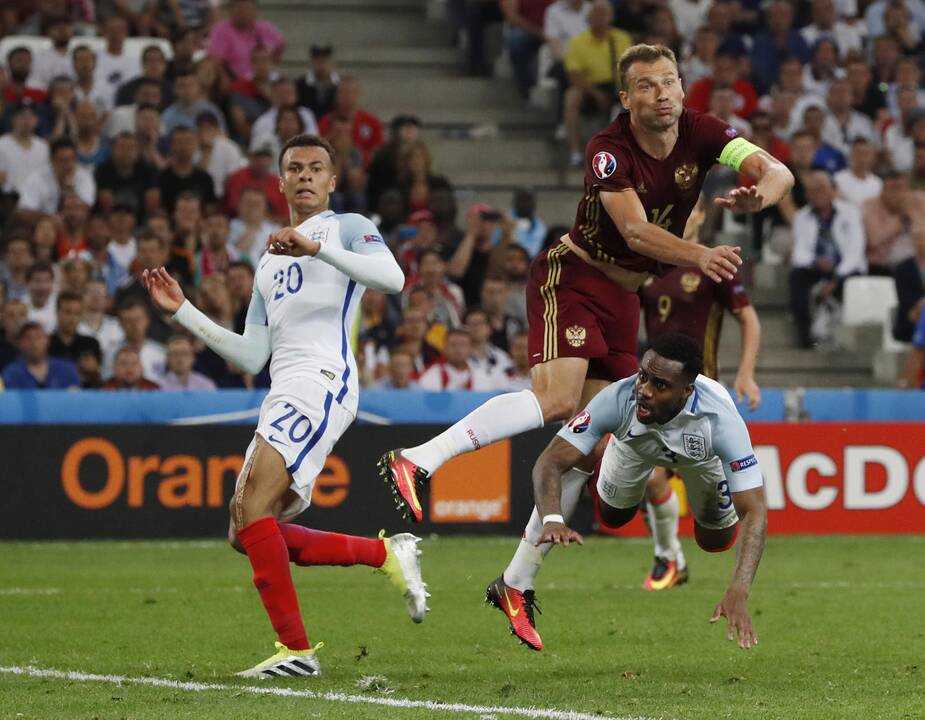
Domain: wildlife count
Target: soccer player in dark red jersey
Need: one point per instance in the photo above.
(643, 175)
(688, 302)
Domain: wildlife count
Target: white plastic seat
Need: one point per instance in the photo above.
(868, 300)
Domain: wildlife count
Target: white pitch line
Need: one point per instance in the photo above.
(328, 696)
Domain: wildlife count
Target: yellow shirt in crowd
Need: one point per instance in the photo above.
(593, 58)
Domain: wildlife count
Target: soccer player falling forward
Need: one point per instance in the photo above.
(668, 412)
(643, 175)
(685, 300)
(307, 290)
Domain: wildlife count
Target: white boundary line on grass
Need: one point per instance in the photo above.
(32, 671)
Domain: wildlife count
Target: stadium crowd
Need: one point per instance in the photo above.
(141, 134)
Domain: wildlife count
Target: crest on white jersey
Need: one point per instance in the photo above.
(694, 446)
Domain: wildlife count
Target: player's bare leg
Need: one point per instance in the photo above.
(556, 395)
(670, 566)
(715, 540)
(513, 591)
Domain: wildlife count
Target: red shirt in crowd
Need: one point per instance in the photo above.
(365, 132)
(698, 96)
(243, 178)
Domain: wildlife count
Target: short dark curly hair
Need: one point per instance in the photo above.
(680, 348)
(306, 141)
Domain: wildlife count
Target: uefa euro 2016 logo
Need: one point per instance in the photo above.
(604, 165)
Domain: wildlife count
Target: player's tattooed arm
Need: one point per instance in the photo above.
(558, 457)
(752, 509)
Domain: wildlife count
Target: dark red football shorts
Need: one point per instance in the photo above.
(574, 310)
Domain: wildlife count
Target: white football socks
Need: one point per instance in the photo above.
(501, 417)
(525, 565)
(663, 524)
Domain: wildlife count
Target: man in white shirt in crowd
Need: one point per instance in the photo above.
(40, 302)
(42, 191)
(284, 94)
(517, 375)
(114, 66)
(21, 150)
(180, 374)
(488, 358)
(247, 239)
(54, 61)
(88, 87)
(843, 123)
(134, 321)
(826, 24)
(857, 182)
(456, 371)
(95, 323)
(401, 373)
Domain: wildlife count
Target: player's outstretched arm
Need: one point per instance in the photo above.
(752, 509)
(370, 262)
(774, 181)
(558, 457)
(249, 351)
(626, 210)
(745, 385)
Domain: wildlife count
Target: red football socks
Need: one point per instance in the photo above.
(316, 547)
(269, 557)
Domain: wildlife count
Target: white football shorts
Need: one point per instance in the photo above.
(302, 420)
(624, 474)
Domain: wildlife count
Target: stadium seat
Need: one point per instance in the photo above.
(35, 44)
(96, 44)
(868, 300)
(137, 45)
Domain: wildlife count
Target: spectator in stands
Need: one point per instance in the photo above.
(523, 37)
(443, 208)
(909, 277)
(180, 374)
(35, 370)
(517, 375)
(494, 297)
(54, 61)
(825, 24)
(390, 218)
(412, 334)
(90, 369)
(188, 235)
(350, 193)
(383, 170)
(153, 252)
(901, 27)
(514, 270)
(563, 20)
(215, 301)
(45, 239)
(857, 182)
(71, 233)
(476, 15)
(153, 68)
(115, 66)
(318, 86)
(828, 247)
(92, 148)
(214, 257)
(780, 40)
(822, 67)
(18, 87)
(125, 117)
(67, 343)
(13, 316)
(455, 371)
(232, 40)
(698, 62)
(689, 16)
(95, 323)
(488, 358)
(240, 280)
(917, 174)
(446, 296)
(416, 179)
(125, 177)
(216, 154)
(866, 95)
(247, 237)
(590, 60)
(400, 373)
(826, 156)
(44, 187)
(213, 82)
(892, 221)
(900, 137)
(727, 73)
(188, 105)
(908, 75)
(260, 172)
(75, 272)
(101, 264)
(87, 88)
(56, 114)
(128, 372)
(122, 244)
(375, 335)
(529, 230)
(21, 150)
(723, 104)
(875, 16)
(40, 301)
(135, 320)
(181, 174)
(843, 124)
(284, 95)
(14, 270)
(288, 124)
(365, 127)
(251, 97)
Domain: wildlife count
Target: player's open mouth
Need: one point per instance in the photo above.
(642, 412)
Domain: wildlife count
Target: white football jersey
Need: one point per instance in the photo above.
(310, 307)
(708, 427)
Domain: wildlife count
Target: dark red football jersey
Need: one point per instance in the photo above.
(686, 301)
(668, 189)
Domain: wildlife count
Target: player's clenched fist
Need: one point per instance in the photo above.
(559, 534)
(721, 262)
(164, 290)
(287, 241)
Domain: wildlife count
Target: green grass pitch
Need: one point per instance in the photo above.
(841, 622)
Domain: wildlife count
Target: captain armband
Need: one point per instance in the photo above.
(735, 152)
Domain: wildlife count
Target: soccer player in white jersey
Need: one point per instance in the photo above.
(668, 413)
(307, 289)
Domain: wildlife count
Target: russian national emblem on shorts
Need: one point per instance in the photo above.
(686, 175)
(690, 282)
(695, 446)
(575, 335)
